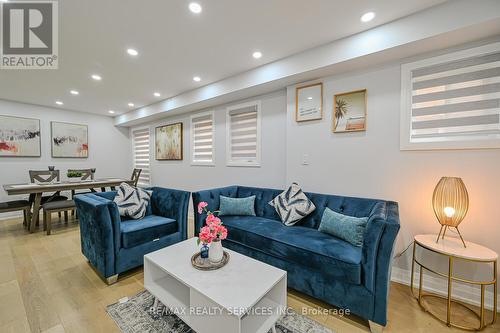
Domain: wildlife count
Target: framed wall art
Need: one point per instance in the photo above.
(168, 142)
(19, 137)
(69, 140)
(309, 102)
(349, 111)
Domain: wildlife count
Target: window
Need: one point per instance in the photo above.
(140, 148)
(243, 134)
(202, 139)
(452, 101)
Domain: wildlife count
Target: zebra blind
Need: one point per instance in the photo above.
(140, 139)
(454, 100)
(202, 139)
(243, 139)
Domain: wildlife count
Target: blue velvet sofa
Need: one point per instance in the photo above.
(318, 264)
(113, 244)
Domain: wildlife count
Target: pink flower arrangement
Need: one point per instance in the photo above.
(213, 230)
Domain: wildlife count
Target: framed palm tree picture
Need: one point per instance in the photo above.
(349, 111)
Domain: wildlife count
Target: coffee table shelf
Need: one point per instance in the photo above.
(245, 296)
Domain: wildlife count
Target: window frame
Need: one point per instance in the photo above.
(132, 130)
(191, 129)
(406, 105)
(257, 161)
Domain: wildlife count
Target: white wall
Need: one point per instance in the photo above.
(271, 173)
(109, 146)
(370, 164)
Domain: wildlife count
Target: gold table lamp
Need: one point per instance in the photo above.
(450, 202)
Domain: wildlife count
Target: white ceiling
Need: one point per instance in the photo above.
(175, 44)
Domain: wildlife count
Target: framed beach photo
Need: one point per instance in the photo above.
(309, 102)
(168, 142)
(19, 137)
(69, 140)
(349, 111)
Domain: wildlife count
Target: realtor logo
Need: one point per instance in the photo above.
(29, 35)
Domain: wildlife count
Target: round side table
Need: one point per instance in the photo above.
(454, 249)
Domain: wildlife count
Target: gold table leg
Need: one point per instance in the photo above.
(413, 268)
(448, 307)
(495, 291)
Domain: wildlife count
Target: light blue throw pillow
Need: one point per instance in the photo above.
(237, 206)
(349, 228)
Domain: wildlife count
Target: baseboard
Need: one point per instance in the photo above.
(11, 215)
(466, 293)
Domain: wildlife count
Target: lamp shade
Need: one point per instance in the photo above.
(450, 201)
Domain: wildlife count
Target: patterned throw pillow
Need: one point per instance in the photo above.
(292, 205)
(131, 201)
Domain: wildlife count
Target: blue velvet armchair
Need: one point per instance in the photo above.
(113, 244)
(318, 264)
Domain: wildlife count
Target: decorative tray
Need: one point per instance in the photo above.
(206, 265)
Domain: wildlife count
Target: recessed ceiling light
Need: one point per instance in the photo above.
(131, 105)
(196, 79)
(96, 77)
(367, 17)
(132, 52)
(309, 98)
(59, 103)
(195, 7)
(74, 92)
(157, 94)
(111, 111)
(257, 55)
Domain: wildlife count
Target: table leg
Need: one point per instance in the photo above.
(420, 283)
(36, 211)
(481, 313)
(412, 268)
(448, 307)
(495, 292)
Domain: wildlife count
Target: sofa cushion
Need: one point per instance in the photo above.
(237, 206)
(132, 202)
(292, 205)
(351, 229)
(301, 245)
(136, 232)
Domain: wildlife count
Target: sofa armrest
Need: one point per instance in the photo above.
(380, 236)
(99, 231)
(212, 198)
(172, 204)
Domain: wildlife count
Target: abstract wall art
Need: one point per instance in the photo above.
(69, 140)
(168, 142)
(19, 137)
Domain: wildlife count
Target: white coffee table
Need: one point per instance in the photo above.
(245, 296)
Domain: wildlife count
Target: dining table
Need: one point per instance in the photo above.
(36, 190)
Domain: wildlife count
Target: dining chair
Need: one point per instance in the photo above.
(86, 174)
(47, 176)
(135, 176)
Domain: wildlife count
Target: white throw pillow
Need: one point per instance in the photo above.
(292, 205)
(131, 201)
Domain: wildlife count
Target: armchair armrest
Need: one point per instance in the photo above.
(380, 235)
(212, 198)
(100, 231)
(173, 204)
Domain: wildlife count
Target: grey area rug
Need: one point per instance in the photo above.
(136, 315)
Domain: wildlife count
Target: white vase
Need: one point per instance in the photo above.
(216, 252)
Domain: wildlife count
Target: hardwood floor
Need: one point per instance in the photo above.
(46, 285)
